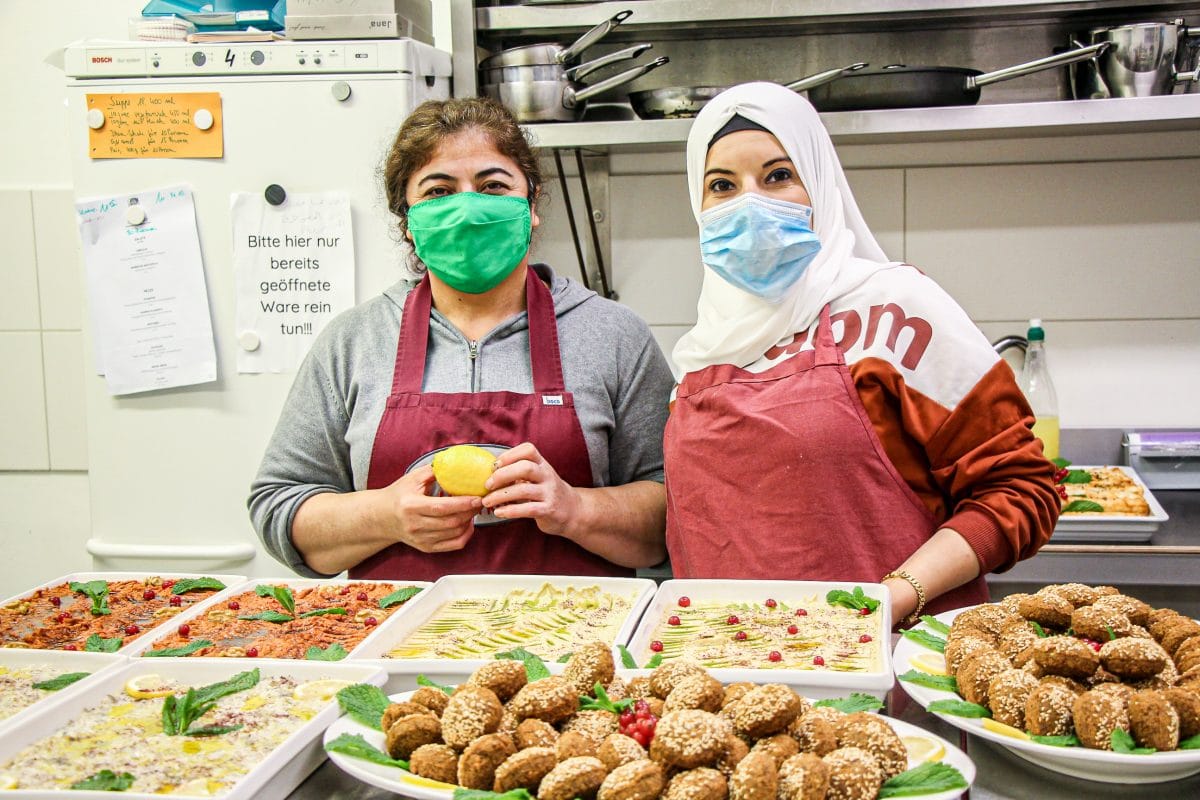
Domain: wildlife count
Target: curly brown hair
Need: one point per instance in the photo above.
(432, 122)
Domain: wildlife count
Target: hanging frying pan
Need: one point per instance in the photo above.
(673, 102)
(900, 86)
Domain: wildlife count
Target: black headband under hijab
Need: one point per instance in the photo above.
(736, 123)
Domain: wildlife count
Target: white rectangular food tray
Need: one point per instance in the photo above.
(1111, 528)
(134, 645)
(273, 778)
(99, 664)
(162, 631)
(402, 673)
(817, 684)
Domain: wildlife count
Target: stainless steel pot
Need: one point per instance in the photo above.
(1140, 61)
(554, 72)
(561, 100)
(550, 52)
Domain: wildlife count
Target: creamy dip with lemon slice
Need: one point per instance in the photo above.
(124, 734)
(16, 686)
(551, 622)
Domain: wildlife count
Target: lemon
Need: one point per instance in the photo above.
(463, 469)
(144, 687)
(932, 663)
(323, 689)
(8, 782)
(417, 780)
(923, 748)
(1004, 730)
(202, 787)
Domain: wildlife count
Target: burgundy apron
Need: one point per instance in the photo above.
(416, 423)
(780, 474)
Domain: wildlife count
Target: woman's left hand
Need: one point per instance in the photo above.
(524, 485)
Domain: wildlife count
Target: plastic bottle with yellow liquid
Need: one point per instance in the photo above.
(1035, 382)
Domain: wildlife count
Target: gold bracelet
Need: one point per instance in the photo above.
(905, 575)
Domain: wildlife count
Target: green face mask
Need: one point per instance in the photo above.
(471, 241)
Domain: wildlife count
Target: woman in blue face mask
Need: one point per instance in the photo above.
(567, 388)
(839, 416)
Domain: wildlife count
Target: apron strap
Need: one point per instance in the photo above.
(544, 354)
(826, 348)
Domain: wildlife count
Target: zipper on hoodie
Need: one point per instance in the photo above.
(473, 355)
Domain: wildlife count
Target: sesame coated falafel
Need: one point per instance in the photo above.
(1065, 655)
(816, 731)
(437, 762)
(618, 749)
(665, 676)
(524, 769)
(1016, 638)
(1100, 624)
(1137, 611)
(702, 783)
(977, 671)
(478, 762)
(408, 733)
(958, 649)
(1175, 635)
(803, 777)
(754, 778)
(550, 699)
(590, 664)
(696, 691)
(689, 738)
(1012, 602)
(1097, 714)
(576, 777)
(504, 677)
(534, 733)
(572, 744)
(395, 711)
(986, 618)
(869, 732)
(1047, 610)
(1187, 705)
(780, 747)
(595, 724)
(1133, 659)
(854, 774)
(735, 750)
(638, 780)
(1007, 695)
(1077, 594)
(735, 692)
(1153, 721)
(1048, 710)
(472, 712)
(766, 709)
(433, 699)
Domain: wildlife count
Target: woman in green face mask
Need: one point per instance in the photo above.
(568, 389)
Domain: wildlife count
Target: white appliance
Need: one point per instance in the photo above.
(170, 471)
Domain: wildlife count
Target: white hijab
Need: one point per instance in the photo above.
(732, 325)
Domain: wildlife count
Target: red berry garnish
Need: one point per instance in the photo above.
(672, 620)
(63, 617)
(793, 629)
(148, 594)
(370, 622)
(176, 600)
(1060, 474)
(361, 597)
(740, 636)
(646, 726)
(818, 661)
(864, 612)
(167, 584)
(733, 620)
(770, 603)
(344, 590)
(684, 602)
(131, 630)
(234, 605)
(69, 647)
(656, 646)
(640, 706)
(800, 612)
(252, 652)
(55, 601)
(1062, 490)
(626, 718)
(640, 738)
(866, 637)
(775, 655)
(184, 630)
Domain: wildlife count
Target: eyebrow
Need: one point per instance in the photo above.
(723, 171)
(441, 176)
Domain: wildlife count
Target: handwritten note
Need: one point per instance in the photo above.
(294, 268)
(133, 125)
(151, 323)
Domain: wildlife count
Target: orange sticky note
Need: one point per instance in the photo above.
(136, 125)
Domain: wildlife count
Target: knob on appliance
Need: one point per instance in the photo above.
(257, 58)
(203, 119)
(275, 194)
(199, 59)
(95, 119)
(341, 91)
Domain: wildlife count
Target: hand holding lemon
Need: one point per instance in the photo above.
(463, 469)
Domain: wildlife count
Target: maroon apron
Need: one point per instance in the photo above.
(780, 474)
(416, 423)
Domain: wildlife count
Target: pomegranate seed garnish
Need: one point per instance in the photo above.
(672, 620)
(131, 630)
(55, 601)
(626, 717)
(818, 661)
(684, 602)
(148, 594)
(235, 605)
(63, 617)
(733, 620)
(362, 597)
(775, 655)
(184, 630)
(740, 636)
(69, 647)
(793, 629)
(770, 603)
(176, 600)
(1060, 474)
(800, 612)
(864, 612)
(656, 646)
(167, 584)
(640, 706)
(252, 652)
(370, 622)
(866, 637)
(640, 738)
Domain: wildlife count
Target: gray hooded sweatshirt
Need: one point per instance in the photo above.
(322, 443)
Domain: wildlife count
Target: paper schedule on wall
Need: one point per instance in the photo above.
(148, 302)
(294, 271)
(143, 125)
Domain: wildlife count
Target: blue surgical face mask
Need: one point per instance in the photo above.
(758, 244)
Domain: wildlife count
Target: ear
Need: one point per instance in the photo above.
(534, 219)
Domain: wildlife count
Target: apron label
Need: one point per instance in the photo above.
(552, 400)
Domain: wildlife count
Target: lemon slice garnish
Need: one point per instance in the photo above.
(323, 689)
(923, 748)
(8, 782)
(1004, 730)
(144, 687)
(417, 780)
(932, 663)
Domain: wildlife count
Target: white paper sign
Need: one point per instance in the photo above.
(152, 327)
(294, 265)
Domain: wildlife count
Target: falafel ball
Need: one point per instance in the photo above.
(595, 724)
(958, 649)
(689, 738)
(1048, 710)
(395, 711)
(572, 744)
(854, 774)
(665, 676)
(590, 664)
(1077, 594)
(736, 691)
(735, 750)
(433, 699)
(780, 747)
(472, 712)
(766, 709)
(408, 733)
(637, 780)
(803, 777)
(1016, 639)
(977, 671)
(1187, 705)
(702, 783)
(1047, 610)
(1007, 695)
(871, 733)
(1175, 635)
(535, 733)
(618, 749)
(754, 778)
(550, 699)
(477, 764)
(576, 777)
(524, 769)
(816, 731)
(1097, 714)
(1099, 623)
(1133, 659)
(988, 618)
(1137, 611)
(1065, 655)
(696, 691)
(504, 677)
(1153, 721)
(638, 688)
(437, 762)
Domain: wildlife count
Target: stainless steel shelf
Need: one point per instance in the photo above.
(996, 121)
(719, 17)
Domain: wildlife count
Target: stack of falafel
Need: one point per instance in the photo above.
(742, 741)
(1096, 661)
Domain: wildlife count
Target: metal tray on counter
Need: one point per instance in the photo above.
(1111, 528)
